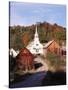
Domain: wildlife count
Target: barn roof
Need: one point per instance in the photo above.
(24, 52)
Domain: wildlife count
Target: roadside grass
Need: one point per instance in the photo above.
(56, 62)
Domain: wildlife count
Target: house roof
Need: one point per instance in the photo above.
(48, 44)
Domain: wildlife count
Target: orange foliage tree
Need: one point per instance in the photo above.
(25, 38)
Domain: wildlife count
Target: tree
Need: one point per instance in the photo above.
(18, 42)
(25, 39)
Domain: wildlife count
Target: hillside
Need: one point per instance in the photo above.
(20, 36)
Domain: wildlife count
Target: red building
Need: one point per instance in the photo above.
(52, 46)
(25, 60)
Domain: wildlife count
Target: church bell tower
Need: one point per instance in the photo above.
(35, 46)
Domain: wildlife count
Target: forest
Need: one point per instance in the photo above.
(20, 36)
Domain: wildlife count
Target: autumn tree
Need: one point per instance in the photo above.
(25, 38)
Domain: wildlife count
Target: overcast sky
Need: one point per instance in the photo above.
(30, 13)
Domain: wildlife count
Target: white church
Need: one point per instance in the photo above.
(35, 47)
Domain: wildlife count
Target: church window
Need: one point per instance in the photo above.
(37, 50)
(34, 48)
(36, 44)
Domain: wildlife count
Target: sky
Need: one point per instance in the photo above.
(26, 14)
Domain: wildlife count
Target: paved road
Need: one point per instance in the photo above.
(31, 81)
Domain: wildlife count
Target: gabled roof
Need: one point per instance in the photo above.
(24, 52)
(48, 44)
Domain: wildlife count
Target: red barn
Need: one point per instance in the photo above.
(25, 60)
(53, 47)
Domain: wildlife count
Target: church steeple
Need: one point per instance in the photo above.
(36, 47)
(36, 33)
(36, 37)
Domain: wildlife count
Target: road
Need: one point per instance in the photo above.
(31, 81)
(44, 66)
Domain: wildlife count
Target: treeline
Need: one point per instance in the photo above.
(20, 36)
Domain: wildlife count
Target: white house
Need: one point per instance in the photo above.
(35, 46)
(13, 53)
